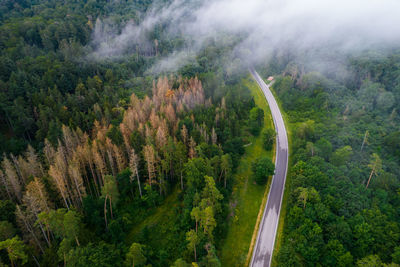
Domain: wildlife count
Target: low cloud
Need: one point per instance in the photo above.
(304, 27)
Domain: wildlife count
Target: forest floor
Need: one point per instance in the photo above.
(247, 195)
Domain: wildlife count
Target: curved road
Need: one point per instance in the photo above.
(262, 253)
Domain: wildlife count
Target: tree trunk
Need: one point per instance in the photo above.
(77, 241)
(138, 180)
(181, 180)
(105, 211)
(44, 234)
(225, 179)
(195, 255)
(370, 176)
(365, 139)
(110, 208)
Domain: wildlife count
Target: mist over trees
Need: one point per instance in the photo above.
(122, 124)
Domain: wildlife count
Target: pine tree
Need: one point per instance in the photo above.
(196, 214)
(60, 183)
(150, 159)
(192, 148)
(26, 226)
(5, 185)
(193, 240)
(49, 151)
(134, 166)
(110, 192)
(12, 178)
(135, 255)
(99, 162)
(184, 134)
(180, 157)
(36, 201)
(78, 186)
(15, 249)
(214, 138)
(119, 158)
(375, 165)
(226, 167)
(207, 221)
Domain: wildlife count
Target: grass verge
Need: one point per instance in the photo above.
(247, 197)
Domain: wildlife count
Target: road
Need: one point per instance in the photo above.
(262, 253)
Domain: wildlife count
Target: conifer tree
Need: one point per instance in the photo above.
(134, 166)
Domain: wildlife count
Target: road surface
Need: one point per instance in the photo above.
(262, 253)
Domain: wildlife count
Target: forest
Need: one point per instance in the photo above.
(343, 187)
(106, 163)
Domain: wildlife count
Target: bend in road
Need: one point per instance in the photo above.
(262, 253)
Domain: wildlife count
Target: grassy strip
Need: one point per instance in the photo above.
(247, 195)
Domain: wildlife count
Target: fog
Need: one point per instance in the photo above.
(309, 28)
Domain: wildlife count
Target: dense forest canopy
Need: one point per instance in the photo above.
(121, 130)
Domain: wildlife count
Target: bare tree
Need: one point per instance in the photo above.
(375, 165)
(214, 138)
(134, 166)
(150, 158)
(12, 178)
(192, 148)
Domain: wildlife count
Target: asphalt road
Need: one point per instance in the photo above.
(262, 253)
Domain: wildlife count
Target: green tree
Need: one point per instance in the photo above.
(305, 194)
(193, 241)
(196, 214)
(370, 261)
(396, 255)
(262, 168)
(364, 239)
(109, 191)
(179, 160)
(226, 167)
(323, 148)
(207, 221)
(195, 169)
(341, 155)
(268, 137)
(72, 224)
(7, 230)
(256, 120)
(375, 165)
(211, 259)
(181, 263)
(135, 256)
(15, 249)
(337, 255)
(210, 194)
(99, 254)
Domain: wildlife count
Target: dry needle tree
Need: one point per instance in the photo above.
(12, 178)
(149, 156)
(375, 165)
(134, 166)
(192, 148)
(36, 201)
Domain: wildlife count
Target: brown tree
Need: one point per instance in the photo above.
(12, 178)
(192, 148)
(149, 156)
(134, 166)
